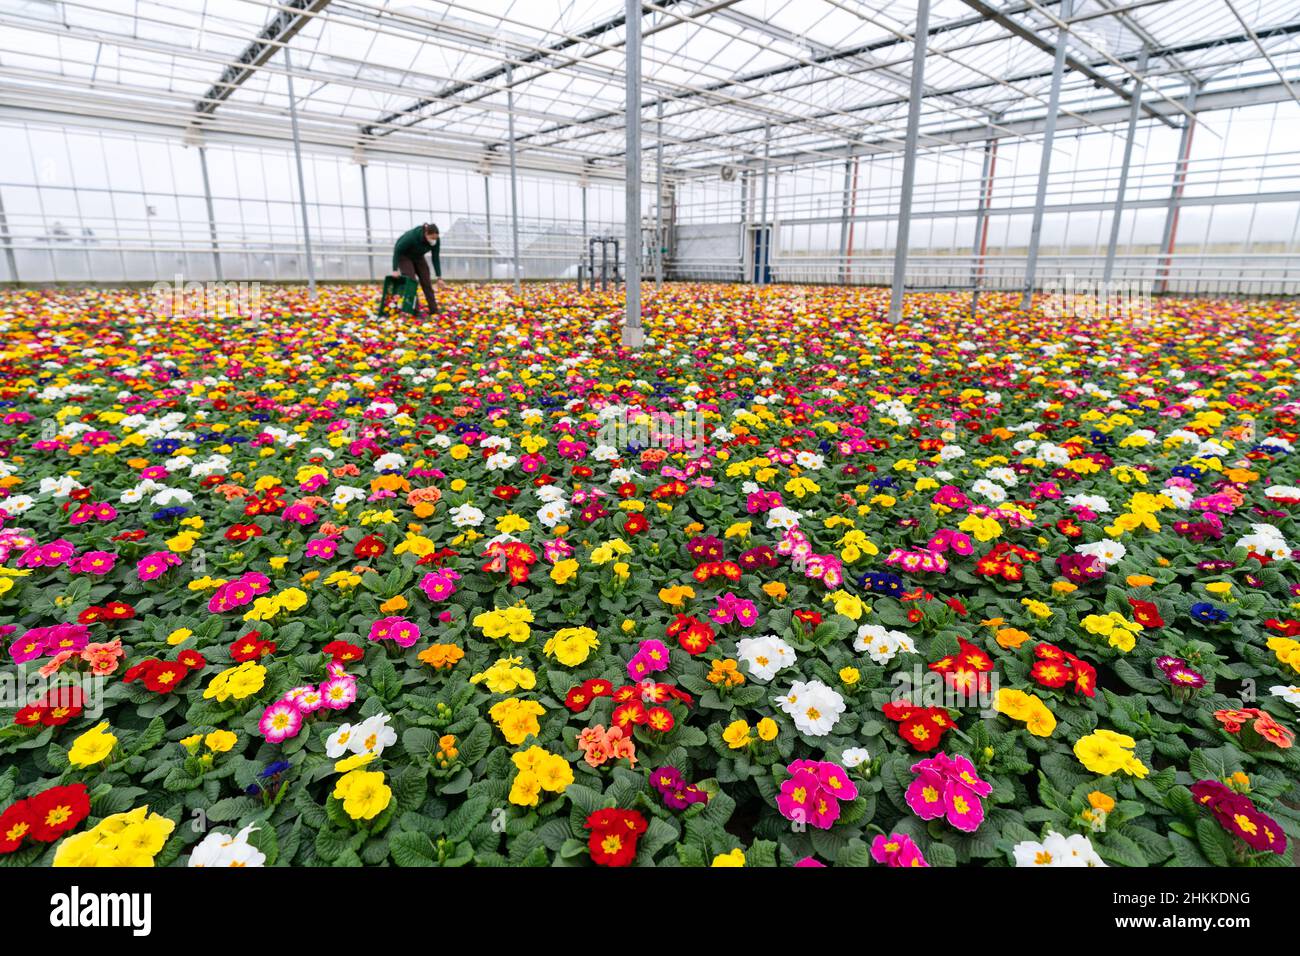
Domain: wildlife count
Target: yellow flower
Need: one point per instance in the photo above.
(353, 762)
(517, 719)
(191, 743)
(220, 741)
(1037, 608)
(767, 729)
(238, 682)
(179, 636)
(364, 793)
(850, 676)
(737, 735)
(93, 746)
(571, 646)
(1219, 587)
(564, 571)
(506, 676)
(1106, 752)
(735, 858)
(846, 604)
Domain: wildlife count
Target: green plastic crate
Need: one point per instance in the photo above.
(406, 287)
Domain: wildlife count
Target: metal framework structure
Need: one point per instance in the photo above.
(746, 86)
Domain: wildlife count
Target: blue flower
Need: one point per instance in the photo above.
(275, 769)
(1208, 613)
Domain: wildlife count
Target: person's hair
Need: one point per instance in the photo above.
(431, 227)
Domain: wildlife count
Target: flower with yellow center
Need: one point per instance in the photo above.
(93, 746)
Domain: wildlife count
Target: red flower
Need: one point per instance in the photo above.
(58, 810)
(1052, 673)
(692, 634)
(90, 615)
(118, 611)
(614, 836)
(29, 716)
(920, 731)
(163, 677)
(371, 546)
(628, 715)
(15, 824)
(251, 647)
(660, 719)
(811, 619)
(191, 659)
(635, 524)
(506, 492)
(1146, 613)
(343, 652)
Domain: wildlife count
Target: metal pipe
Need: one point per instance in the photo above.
(633, 334)
(844, 214)
(212, 218)
(487, 205)
(764, 231)
(1118, 214)
(365, 209)
(982, 220)
(1045, 162)
(302, 182)
(1175, 196)
(659, 198)
(514, 175)
(909, 159)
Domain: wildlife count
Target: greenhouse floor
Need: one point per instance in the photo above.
(789, 586)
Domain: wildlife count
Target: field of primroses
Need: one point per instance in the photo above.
(790, 587)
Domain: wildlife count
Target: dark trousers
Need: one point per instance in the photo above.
(419, 268)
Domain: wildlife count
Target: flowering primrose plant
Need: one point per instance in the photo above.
(788, 587)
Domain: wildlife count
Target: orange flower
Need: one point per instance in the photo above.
(393, 605)
(1011, 637)
(775, 590)
(1140, 580)
(441, 656)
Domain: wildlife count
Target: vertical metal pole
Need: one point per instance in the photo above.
(8, 242)
(909, 158)
(302, 183)
(844, 214)
(487, 205)
(1045, 161)
(764, 231)
(212, 218)
(1176, 194)
(982, 220)
(659, 198)
(744, 220)
(514, 175)
(633, 334)
(1118, 214)
(365, 208)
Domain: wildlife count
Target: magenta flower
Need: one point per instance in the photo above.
(897, 849)
(339, 692)
(439, 585)
(948, 787)
(93, 562)
(399, 630)
(323, 548)
(155, 565)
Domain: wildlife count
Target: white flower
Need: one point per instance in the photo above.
(500, 461)
(218, 849)
(1108, 552)
(391, 461)
(604, 453)
(553, 513)
(990, 490)
(951, 453)
(466, 516)
(172, 496)
(59, 487)
(1289, 694)
(882, 644)
(783, 518)
(854, 757)
(17, 504)
(621, 476)
(1265, 540)
(1092, 502)
(1057, 850)
(372, 735)
(807, 459)
(765, 655)
(340, 742)
(813, 706)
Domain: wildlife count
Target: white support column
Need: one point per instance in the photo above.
(764, 230)
(1118, 215)
(633, 334)
(365, 208)
(1045, 161)
(302, 183)
(212, 218)
(1170, 234)
(487, 221)
(514, 173)
(902, 234)
(844, 214)
(659, 198)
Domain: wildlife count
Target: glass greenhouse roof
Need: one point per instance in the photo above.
(817, 76)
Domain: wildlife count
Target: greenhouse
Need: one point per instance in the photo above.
(836, 433)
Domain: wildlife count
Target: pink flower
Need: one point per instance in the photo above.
(439, 585)
(280, 721)
(299, 513)
(399, 630)
(93, 562)
(651, 657)
(323, 548)
(339, 692)
(948, 787)
(897, 849)
(155, 565)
